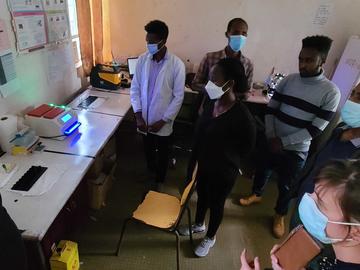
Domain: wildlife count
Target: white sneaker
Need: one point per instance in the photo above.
(195, 228)
(203, 248)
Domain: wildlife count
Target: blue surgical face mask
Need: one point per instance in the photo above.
(315, 221)
(153, 48)
(236, 42)
(350, 114)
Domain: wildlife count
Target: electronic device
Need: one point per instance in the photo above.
(25, 141)
(26, 181)
(51, 121)
(132, 65)
(106, 76)
(297, 250)
(87, 101)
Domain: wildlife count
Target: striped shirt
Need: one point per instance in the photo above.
(211, 58)
(300, 110)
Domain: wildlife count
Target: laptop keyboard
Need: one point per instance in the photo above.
(26, 182)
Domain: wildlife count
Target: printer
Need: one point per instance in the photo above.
(106, 76)
(52, 121)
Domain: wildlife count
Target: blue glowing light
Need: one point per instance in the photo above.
(72, 128)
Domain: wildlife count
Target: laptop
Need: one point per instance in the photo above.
(132, 65)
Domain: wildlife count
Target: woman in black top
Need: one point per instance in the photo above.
(225, 133)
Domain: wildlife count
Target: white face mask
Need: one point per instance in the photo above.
(214, 91)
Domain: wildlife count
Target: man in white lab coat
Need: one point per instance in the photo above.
(157, 93)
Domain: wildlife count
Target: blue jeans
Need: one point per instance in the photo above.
(288, 165)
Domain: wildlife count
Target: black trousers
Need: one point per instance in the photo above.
(157, 152)
(288, 165)
(213, 187)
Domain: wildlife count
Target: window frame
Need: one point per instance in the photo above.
(74, 37)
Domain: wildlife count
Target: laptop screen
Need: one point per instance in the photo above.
(132, 65)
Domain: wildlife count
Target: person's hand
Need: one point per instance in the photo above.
(350, 134)
(355, 233)
(155, 127)
(245, 265)
(140, 124)
(275, 145)
(274, 260)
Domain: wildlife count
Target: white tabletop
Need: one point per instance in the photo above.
(123, 91)
(256, 96)
(94, 132)
(109, 103)
(126, 91)
(35, 214)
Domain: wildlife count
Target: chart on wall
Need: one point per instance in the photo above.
(57, 20)
(8, 78)
(29, 22)
(39, 22)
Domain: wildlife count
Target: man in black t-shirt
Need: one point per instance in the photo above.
(12, 249)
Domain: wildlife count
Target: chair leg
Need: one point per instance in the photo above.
(177, 250)
(190, 230)
(121, 236)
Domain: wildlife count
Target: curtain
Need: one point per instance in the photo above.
(94, 32)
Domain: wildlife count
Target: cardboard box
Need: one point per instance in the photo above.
(98, 189)
(97, 167)
(66, 256)
(110, 148)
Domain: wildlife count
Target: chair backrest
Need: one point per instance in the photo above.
(186, 195)
(189, 187)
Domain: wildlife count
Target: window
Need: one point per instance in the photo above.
(74, 31)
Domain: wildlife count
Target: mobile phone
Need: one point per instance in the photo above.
(298, 249)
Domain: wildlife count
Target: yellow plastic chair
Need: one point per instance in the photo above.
(164, 212)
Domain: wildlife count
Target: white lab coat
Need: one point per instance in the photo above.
(168, 93)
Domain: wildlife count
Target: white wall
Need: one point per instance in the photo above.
(37, 85)
(276, 28)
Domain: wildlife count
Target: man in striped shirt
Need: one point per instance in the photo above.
(301, 108)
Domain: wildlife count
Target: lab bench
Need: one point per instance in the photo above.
(44, 218)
